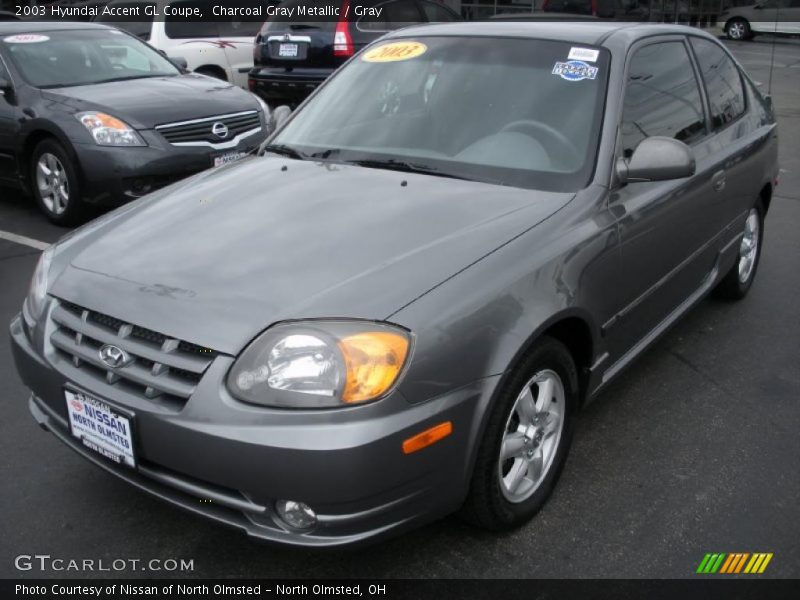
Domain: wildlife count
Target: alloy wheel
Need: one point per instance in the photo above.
(748, 250)
(51, 179)
(736, 30)
(532, 434)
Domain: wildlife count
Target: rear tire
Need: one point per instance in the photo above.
(55, 184)
(738, 30)
(738, 281)
(526, 441)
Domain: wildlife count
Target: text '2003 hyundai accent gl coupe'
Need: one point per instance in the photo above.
(396, 312)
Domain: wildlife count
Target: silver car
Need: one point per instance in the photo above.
(398, 309)
(769, 16)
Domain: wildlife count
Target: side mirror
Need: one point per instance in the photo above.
(6, 89)
(657, 159)
(179, 62)
(278, 117)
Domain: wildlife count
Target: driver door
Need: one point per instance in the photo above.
(668, 229)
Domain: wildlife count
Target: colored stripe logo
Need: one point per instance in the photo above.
(734, 563)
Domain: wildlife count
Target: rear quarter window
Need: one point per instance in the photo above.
(722, 80)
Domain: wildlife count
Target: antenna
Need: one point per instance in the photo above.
(772, 54)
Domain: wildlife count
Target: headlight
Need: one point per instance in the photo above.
(318, 364)
(34, 303)
(109, 131)
(264, 107)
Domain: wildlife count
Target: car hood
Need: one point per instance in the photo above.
(145, 103)
(220, 257)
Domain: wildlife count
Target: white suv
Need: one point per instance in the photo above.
(219, 48)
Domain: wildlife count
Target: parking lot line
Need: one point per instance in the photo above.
(24, 240)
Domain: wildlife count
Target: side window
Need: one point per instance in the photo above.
(436, 13)
(662, 97)
(723, 82)
(179, 27)
(401, 13)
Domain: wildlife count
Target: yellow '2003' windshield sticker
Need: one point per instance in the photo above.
(395, 51)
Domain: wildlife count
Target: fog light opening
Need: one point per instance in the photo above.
(296, 515)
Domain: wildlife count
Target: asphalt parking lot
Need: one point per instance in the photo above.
(695, 449)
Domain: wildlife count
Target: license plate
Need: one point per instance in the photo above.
(287, 50)
(230, 157)
(100, 428)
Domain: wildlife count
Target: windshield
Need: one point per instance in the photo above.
(82, 57)
(512, 111)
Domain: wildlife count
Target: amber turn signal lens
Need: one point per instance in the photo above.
(427, 437)
(373, 361)
(104, 120)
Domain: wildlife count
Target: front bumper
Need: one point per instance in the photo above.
(230, 462)
(286, 86)
(111, 176)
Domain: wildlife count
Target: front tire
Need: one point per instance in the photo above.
(738, 30)
(738, 281)
(526, 440)
(55, 184)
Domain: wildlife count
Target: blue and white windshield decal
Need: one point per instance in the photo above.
(574, 70)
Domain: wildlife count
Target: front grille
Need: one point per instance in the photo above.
(161, 367)
(201, 132)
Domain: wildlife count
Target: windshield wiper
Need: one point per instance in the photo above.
(405, 166)
(283, 150)
(323, 154)
(127, 78)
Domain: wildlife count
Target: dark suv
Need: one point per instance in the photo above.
(292, 57)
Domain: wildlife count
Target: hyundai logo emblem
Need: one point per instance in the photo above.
(220, 130)
(114, 357)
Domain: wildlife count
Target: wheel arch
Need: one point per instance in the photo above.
(212, 68)
(33, 138)
(573, 327)
(766, 197)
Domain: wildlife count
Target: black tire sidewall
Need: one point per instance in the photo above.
(545, 354)
(74, 206)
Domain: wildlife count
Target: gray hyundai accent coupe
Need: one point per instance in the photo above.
(397, 310)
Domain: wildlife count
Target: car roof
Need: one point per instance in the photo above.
(12, 27)
(578, 32)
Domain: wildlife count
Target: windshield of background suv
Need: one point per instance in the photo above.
(514, 111)
(82, 57)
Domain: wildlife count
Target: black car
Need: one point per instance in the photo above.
(293, 56)
(92, 115)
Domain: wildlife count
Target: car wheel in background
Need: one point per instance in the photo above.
(737, 282)
(738, 29)
(215, 72)
(55, 184)
(526, 440)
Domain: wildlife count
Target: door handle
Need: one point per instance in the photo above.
(718, 181)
